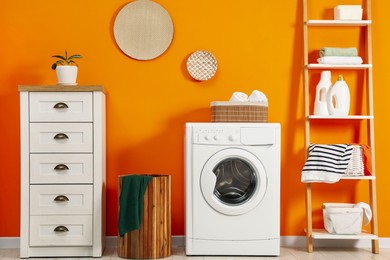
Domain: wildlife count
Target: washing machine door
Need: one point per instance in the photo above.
(233, 181)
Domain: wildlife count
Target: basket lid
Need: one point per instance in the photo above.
(229, 103)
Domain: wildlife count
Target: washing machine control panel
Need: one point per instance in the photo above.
(217, 135)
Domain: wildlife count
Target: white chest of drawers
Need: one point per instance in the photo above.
(63, 171)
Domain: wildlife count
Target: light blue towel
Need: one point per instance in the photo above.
(329, 51)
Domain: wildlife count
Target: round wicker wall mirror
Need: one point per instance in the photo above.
(143, 29)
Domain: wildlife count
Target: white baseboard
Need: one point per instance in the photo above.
(300, 241)
(9, 242)
(285, 241)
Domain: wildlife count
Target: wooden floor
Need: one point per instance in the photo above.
(286, 253)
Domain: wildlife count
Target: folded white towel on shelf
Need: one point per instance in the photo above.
(257, 96)
(239, 97)
(326, 163)
(340, 60)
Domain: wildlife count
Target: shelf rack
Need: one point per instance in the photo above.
(322, 234)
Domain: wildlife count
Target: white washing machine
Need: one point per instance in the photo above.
(232, 178)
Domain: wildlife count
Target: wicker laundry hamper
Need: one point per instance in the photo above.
(222, 111)
(356, 163)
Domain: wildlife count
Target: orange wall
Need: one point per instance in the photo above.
(258, 45)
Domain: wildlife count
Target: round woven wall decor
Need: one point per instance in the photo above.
(202, 65)
(143, 29)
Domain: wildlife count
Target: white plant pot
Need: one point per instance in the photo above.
(66, 75)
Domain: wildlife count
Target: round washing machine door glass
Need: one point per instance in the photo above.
(233, 181)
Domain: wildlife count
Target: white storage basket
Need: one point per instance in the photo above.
(348, 12)
(342, 218)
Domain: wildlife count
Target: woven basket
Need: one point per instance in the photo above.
(239, 112)
(356, 164)
(202, 65)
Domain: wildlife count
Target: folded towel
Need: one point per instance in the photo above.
(340, 60)
(326, 163)
(131, 202)
(239, 97)
(329, 51)
(257, 96)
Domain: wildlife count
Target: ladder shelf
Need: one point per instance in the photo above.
(365, 41)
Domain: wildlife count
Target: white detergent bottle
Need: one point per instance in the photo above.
(339, 98)
(320, 103)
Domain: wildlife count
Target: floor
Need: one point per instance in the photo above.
(286, 253)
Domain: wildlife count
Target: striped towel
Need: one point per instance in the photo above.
(326, 163)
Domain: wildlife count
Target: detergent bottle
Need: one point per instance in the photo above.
(320, 103)
(339, 98)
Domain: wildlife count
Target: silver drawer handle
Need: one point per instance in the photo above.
(61, 136)
(61, 229)
(61, 198)
(60, 105)
(61, 167)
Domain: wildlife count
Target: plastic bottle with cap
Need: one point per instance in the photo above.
(339, 98)
(321, 104)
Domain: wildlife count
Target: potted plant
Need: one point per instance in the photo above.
(66, 68)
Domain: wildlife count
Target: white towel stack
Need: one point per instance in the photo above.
(339, 56)
(255, 96)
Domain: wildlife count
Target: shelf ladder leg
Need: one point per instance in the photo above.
(374, 220)
(309, 228)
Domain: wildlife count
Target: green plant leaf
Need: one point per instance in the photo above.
(59, 62)
(75, 56)
(65, 60)
(59, 56)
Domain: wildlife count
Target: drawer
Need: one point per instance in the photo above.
(60, 199)
(61, 107)
(61, 230)
(61, 168)
(60, 137)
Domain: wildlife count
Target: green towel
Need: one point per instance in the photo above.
(328, 51)
(131, 202)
